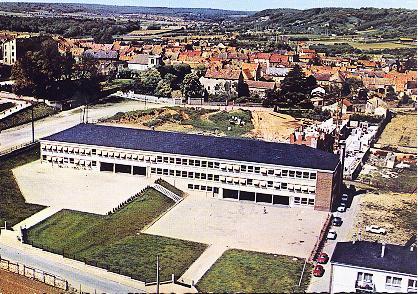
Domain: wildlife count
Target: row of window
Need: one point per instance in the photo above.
(231, 180)
(69, 160)
(203, 188)
(185, 161)
(390, 280)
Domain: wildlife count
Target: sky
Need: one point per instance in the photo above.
(250, 5)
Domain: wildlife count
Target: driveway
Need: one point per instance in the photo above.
(282, 230)
(88, 191)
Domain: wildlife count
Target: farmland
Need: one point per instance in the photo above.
(11, 283)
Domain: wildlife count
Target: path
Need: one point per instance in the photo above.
(36, 218)
(203, 264)
(272, 126)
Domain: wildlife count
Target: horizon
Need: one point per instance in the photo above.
(243, 5)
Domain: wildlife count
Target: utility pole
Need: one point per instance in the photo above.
(33, 124)
(158, 275)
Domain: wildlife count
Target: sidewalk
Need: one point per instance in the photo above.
(36, 218)
(202, 264)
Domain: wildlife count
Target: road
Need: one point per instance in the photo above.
(344, 234)
(73, 276)
(63, 120)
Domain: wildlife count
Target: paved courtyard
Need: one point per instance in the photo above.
(288, 231)
(68, 188)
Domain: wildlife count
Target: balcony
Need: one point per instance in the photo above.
(365, 287)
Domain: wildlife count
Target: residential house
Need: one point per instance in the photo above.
(228, 80)
(143, 62)
(251, 71)
(369, 267)
(260, 88)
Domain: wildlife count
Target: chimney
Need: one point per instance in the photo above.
(382, 254)
(411, 248)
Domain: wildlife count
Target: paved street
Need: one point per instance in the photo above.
(63, 120)
(74, 276)
(344, 234)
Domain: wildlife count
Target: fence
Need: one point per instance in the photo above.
(321, 239)
(17, 149)
(33, 273)
(148, 98)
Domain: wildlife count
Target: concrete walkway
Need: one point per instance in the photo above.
(36, 218)
(203, 264)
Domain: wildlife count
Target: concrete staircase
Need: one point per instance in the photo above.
(36, 218)
(176, 198)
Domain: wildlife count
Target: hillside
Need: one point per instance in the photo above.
(111, 10)
(388, 23)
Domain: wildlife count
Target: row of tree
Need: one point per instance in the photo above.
(166, 79)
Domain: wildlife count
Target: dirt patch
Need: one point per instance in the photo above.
(395, 212)
(273, 126)
(400, 131)
(11, 283)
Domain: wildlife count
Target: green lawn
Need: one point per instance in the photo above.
(249, 272)
(115, 241)
(13, 207)
(39, 111)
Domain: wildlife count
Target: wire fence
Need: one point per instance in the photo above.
(34, 273)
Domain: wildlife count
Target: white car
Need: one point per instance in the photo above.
(332, 235)
(375, 230)
(342, 207)
(344, 197)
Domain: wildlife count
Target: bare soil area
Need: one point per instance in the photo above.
(11, 283)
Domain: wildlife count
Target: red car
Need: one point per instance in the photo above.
(322, 258)
(318, 271)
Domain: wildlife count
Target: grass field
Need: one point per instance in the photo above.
(400, 131)
(182, 119)
(13, 208)
(116, 84)
(25, 116)
(368, 46)
(250, 272)
(393, 211)
(116, 241)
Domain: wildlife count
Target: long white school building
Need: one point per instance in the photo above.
(227, 168)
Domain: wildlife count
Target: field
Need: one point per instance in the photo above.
(400, 131)
(25, 116)
(257, 124)
(116, 242)
(116, 84)
(251, 272)
(13, 208)
(368, 46)
(16, 284)
(393, 211)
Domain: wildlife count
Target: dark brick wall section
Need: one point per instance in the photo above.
(324, 185)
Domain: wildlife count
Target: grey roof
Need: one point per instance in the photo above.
(101, 54)
(199, 145)
(140, 59)
(277, 71)
(367, 254)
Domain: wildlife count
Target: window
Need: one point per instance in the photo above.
(153, 170)
(171, 172)
(291, 174)
(305, 175)
(284, 186)
(190, 186)
(191, 162)
(203, 176)
(216, 178)
(210, 164)
(210, 177)
(165, 172)
(184, 174)
(215, 190)
(312, 176)
(285, 173)
(203, 188)
(196, 187)
(250, 169)
(243, 168)
(178, 160)
(184, 161)
(209, 189)
(311, 201)
(249, 181)
(364, 277)
(216, 164)
(257, 169)
(71, 160)
(393, 281)
(412, 285)
(165, 159)
(190, 175)
(178, 173)
(304, 201)
(197, 175)
(269, 184)
(271, 172)
(159, 171)
(299, 174)
(204, 163)
(297, 200)
(94, 163)
(197, 163)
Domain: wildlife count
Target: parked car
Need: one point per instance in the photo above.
(318, 271)
(342, 207)
(344, 197)
(375, 230)
(322, 258)
(332, 235)
(337, 221)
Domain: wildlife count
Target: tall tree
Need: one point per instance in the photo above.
(191, 86)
